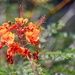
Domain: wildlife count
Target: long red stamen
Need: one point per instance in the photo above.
(40, 21)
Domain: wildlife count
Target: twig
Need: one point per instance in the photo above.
(33, 67)
(57, 8)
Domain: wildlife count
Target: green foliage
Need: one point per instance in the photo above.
(57, 55)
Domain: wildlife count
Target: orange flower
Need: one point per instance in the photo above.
(3, 30)
(31, 26)
(8, 38)
(20, 50)
(21, 21)
(25, 20)
(18, 19)
(6, 25)
(32, 34)
(32, 37)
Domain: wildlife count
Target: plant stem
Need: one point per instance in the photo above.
(33, 66)
(9, 70)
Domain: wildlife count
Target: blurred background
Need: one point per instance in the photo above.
(57, 38)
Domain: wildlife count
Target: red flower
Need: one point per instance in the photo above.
(14, 48)
(22, 33)
(13, 27)
(10, 59)
(26, 53)
(35, 55)
(2, 44)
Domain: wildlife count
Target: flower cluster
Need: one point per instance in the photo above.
(16, 35)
